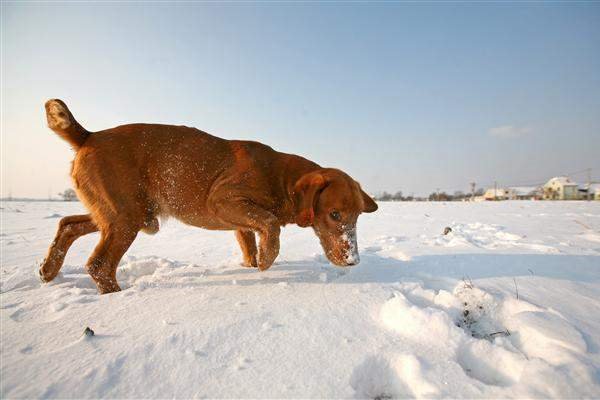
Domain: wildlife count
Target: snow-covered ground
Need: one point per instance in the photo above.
(423, 315)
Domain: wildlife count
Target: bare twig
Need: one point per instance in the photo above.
(469, 284)
(496, 334)
(516, 287)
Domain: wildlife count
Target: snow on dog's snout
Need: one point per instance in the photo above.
(349, 239)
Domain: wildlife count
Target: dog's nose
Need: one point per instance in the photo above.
(350, 261)
(352, 258)
(344, 262)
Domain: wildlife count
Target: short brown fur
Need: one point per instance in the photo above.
(130, 175)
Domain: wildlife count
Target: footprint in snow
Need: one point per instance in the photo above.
(490, 364)
(268, 326)
(242, 363)
(53, 216)
(387, 246)
(17, 316)
(10, 305)
(199, 353)
(401, 376)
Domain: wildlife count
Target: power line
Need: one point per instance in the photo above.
(580, 172)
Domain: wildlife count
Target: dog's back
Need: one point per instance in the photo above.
(142, 171)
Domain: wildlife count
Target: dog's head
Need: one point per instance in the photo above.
(330, 201)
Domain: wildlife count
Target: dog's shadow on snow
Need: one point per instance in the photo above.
(375, 268)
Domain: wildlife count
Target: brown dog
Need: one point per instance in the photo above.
(129, 175)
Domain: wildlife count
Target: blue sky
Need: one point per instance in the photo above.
(402, 96)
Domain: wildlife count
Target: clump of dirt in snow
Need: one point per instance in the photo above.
(476, 317)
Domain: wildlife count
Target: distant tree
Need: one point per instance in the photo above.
(479, 192)
(68, 195)
(398, 196)
(458, 195)
(385, 196)
(443, 196)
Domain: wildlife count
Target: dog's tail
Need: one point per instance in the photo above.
(61, 121)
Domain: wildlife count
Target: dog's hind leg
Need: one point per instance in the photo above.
(69, 229)
(114, 242)
(247, 242)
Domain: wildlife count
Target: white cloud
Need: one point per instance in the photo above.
(508, 131)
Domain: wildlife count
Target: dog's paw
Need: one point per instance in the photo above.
(44, 277)
(265, 263)
(246, 265)
(249, 262)
(57, 114)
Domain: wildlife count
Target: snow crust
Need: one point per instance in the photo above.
(504, 306)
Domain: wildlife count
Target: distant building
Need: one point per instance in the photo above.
(496, 194)
(524, 193)
(593, 189)
(513, 193)
(561, 188)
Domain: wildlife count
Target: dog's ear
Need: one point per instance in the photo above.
(369, 204)
(306, 191)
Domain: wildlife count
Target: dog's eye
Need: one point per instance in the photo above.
(335, 216)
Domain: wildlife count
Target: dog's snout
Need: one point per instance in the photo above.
(351, 256)
(341, 250)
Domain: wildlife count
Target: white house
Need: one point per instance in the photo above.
(496, 194)
(561, 188)
(512, 193)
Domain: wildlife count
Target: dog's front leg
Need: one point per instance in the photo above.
(268, 248)
(246, 215)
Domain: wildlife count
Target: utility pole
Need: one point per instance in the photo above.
(472, 191)
(495, 190)
(589, 183)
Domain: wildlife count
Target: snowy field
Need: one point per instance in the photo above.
(507, 305)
